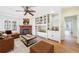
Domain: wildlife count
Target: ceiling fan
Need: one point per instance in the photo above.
(27, 9)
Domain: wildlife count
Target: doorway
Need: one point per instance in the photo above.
(70, 32)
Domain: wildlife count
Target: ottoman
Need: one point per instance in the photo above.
(42, 47)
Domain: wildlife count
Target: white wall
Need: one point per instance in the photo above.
(78, 30)
(43, 10)
(74, 27)
(9, 13)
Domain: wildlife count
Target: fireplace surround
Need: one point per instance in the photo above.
(25, 29)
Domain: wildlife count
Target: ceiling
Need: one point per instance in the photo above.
(11, 10)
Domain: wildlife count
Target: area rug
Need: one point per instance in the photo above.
(25, 43)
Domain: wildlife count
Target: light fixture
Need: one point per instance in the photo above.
(52, 12)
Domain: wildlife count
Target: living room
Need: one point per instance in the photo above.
(38, 29)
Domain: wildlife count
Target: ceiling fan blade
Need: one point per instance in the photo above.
(19, 11)
(25, 13)
(31, 13)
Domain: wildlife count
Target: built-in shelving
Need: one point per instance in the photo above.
(54, 27)
(48, 26)
(41, 23)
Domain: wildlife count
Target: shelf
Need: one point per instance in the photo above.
(41, 24)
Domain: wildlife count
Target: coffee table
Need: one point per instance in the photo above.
(28, 40)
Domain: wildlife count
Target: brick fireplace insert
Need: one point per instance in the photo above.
(25, 29)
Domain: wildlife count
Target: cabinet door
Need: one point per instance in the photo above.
(49, 34)
(54, 35)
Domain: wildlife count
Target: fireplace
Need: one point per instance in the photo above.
(25, 30)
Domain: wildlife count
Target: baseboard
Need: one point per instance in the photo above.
(53, 40)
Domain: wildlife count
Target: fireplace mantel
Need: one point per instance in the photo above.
(25, 29)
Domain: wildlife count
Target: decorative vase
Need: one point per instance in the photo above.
(26, 21)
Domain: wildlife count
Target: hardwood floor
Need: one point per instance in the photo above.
(64, 47)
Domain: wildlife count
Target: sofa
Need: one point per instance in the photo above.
(13, 34)
(16, 35)
(6, 44)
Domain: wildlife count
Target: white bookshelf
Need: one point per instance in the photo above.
(54, 27)
(41, 23)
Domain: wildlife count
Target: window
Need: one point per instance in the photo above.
(7, 25)
(14, 26)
